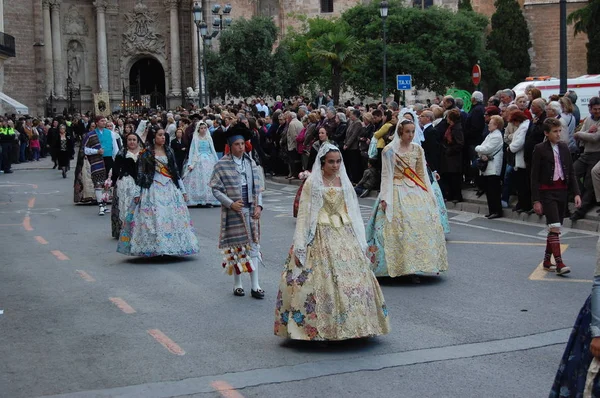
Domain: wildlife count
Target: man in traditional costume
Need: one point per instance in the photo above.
(236, 184)
(98, 145)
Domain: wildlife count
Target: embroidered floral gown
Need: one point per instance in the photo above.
(413, 241)
(160, 224)
(334, 295)
(203, 159)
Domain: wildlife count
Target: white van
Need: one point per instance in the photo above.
(586, 87)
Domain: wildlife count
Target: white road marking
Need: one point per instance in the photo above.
(466, 217)
(497, 230)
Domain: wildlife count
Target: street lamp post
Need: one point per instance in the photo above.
(206, 38)
(197, 11)
(383, 10)
(219, 12)
(563, 46)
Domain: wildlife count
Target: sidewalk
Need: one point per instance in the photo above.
(473, 204)
(42, 164)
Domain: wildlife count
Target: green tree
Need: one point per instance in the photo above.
(436, 46)
(338, 52)
(243, 67)
(586, 20)
(309, 73)
(509, 39)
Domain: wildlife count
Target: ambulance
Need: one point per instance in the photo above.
(586, 87)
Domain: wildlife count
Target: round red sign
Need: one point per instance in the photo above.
(476, 74)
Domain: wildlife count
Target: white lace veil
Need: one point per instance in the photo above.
(140, 130)
(194, 154)
(388, 163)
(419, 136)
(311, 203)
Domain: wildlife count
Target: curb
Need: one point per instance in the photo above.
(472, 204)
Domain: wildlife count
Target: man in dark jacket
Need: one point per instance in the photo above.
(351, 152)
(432, 144)
(474, 126)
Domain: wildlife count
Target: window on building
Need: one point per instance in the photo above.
(326, 5)
(422, 3)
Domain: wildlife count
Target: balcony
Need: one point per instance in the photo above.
(7, 45)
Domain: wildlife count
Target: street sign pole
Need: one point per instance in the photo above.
(476, 76)
(403, 83)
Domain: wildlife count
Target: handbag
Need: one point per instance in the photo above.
(373, 149)
(483, 164)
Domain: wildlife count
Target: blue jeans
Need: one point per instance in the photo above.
(508, 177)
(22, 148)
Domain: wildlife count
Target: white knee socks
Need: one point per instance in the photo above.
(98, 193)
(254, 273)
(237, 281)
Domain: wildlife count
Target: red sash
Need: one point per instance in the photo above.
(163, 169)
(412, 175)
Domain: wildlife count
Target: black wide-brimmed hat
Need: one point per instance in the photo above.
(236, 132)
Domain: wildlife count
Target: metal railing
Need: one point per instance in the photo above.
(7, 45)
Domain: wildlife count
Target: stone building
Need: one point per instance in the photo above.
(146, 50)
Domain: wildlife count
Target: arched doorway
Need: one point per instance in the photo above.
(147, 83)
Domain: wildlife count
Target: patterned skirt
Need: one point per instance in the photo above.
(83, 186)
(196, 183)
(439, 197)
(159, 225)
(121, 202)
(334, 296)
(572, 372)
(413, 242)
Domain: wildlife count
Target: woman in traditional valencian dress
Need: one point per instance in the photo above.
(404, 232)
(123, 178)
(160, 223)
(578, 374)
(83, 186)
(328, 290)
(199, 167)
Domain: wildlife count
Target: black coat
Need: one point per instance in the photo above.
(535, 135)
(180, 150)
(219, 139)
(475, 125)
(432, 147)
(340, 134)
(123, 166)
(452, 159)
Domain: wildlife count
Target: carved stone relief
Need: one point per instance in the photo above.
(75, 22)
(141, 34)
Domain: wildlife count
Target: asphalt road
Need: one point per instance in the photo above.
(81, 320)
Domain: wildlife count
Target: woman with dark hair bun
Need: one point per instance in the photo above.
(159, 224)
(405, 233)
(124, 174)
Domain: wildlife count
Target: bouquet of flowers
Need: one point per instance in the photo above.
(107, 195)
(304, 175)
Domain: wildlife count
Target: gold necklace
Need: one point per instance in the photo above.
(330, 182)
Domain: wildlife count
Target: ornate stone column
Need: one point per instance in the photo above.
(101, 45)
(48, 65)
(175, 57)
(59, 87)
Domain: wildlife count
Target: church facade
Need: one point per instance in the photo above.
(147, 50)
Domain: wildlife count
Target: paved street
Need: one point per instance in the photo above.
(81, 320)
